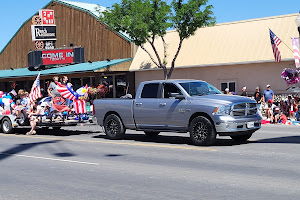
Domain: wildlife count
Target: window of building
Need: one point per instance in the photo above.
(150, 90)
(121, 89)
(86, 81)
(230, 85)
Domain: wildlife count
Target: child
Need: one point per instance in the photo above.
(18, 109)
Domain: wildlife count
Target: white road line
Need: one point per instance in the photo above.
(53, 159)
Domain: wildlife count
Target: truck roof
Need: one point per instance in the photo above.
(173, 80)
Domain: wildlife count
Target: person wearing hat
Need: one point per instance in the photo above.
(244, 93)
(268, 94)
(276, 115)
(227, 91)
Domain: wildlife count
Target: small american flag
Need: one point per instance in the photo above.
(295, 42)
(35, 92)
(275, 41)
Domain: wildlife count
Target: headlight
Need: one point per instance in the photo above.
(222, 110)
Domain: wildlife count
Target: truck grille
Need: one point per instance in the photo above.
(244, 109)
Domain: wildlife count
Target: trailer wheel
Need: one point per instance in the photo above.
(6, 126)
(114, 128)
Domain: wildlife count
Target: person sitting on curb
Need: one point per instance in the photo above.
(269, 109)
(276, 115)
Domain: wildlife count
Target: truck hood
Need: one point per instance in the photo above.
(222, 99)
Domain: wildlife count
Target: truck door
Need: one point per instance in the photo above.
(172, 111)
(146, 113)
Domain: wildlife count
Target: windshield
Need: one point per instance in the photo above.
(199, 88)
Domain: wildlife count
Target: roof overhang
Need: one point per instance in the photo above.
(70, 69)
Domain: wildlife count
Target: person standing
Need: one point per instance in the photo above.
(244, 93)
(258, 99)
(268, 94)
(66, 83)
(52, 89)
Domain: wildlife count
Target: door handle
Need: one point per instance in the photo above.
(162, 104)
(138, 104)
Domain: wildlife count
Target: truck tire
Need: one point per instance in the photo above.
(202, 131)
(114, 128)
(24, 120)
(151, 133)
(6, 126)
(242, 138)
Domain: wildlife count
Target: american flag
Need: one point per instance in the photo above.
(66, 91)
(275, 41)
(35, 92)
(295, 42)
(80, 106)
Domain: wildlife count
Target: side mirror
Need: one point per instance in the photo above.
(180, 97)
(176, 95)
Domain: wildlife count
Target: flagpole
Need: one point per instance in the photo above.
(285, 44)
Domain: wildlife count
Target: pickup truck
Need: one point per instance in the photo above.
(180, 106)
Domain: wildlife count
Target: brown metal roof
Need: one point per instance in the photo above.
(226, 43)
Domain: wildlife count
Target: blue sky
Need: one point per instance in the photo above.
(14, 12)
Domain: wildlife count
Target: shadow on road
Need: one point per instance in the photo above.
(61, 132)
(172, 139)
(22, 147)
(287, 139)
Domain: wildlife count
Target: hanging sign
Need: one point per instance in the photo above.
(43, 32)
(47, 16)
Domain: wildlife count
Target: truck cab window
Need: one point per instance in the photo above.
(170, 90)
(150, 90)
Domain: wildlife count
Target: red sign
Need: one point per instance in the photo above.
(54, 57)
(47, 16)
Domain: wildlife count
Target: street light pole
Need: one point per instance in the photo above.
(298, 24)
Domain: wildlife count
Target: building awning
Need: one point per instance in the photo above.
(70, 69)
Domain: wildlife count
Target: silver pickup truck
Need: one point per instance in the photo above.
(180, 106)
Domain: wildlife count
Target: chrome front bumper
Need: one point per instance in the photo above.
(230, 124)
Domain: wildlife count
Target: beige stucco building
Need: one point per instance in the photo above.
(233, 55)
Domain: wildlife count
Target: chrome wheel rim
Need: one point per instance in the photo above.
(112, 127)
(5, 126)
(200, 131)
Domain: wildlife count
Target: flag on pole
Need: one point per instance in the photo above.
(295, 42)
(275, 41)
(35, 92)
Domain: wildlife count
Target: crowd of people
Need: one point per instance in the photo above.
(279, 111)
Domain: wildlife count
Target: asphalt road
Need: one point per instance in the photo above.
(79, 163)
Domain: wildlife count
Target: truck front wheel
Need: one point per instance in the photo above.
(114, 128)
(202, 131)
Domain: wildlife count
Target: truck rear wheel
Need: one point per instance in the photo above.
(114, 128)
(151, 133)
(6, 126)
(202, 131)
